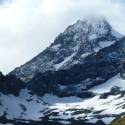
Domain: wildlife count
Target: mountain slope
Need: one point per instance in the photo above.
(77, 80)
(71, 47)
(98, 110)
(96, 69)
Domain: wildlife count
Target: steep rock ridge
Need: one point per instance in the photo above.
(122, 69)
(95, 70)
(71, 47)
(10, 84)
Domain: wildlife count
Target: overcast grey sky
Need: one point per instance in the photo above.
(29, 26)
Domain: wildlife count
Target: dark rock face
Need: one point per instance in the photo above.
(122, 70)
(96, 69)
(10, 84)
(4, 120)
(43, 83)
(114, 91)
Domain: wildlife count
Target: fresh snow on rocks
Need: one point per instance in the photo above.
(106, 87)
(82, 38)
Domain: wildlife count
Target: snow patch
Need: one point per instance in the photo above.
(56, 47)
(64, 122)
(108, 120)
(93, 36)
(51, 99)
(106, 43)
(106, 87)
(85, 55)
(58, 66)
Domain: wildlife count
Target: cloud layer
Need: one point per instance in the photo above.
(29, 26)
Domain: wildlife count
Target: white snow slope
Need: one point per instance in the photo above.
(28, 106)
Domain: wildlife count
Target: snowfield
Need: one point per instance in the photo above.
(115, 81)
(28, 106)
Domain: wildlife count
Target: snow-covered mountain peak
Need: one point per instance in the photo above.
(90, 25)
(71, 47)
(94, 27)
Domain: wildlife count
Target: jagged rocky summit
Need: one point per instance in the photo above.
(78, 41)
